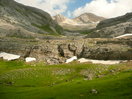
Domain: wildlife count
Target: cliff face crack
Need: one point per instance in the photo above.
(60, 51)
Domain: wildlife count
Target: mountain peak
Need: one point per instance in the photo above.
(88, 18)
(59, 18)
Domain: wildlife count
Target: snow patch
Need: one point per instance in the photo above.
(125, 35)
(71, 59)
(30, 59)
(9, 57)
(108, 62)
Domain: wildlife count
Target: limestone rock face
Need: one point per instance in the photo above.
(58, 51)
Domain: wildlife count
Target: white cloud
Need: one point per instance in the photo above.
(53, 7)
(106, 8)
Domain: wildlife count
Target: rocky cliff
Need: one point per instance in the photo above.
(57, 51)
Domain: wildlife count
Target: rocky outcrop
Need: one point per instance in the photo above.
(58, 51)
(115, 21)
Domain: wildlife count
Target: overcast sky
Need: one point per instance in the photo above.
(73, 8)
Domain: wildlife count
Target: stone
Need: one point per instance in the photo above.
(94, 91)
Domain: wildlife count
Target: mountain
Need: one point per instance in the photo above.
(113, 27)
(59, 18)
(87, 18)
(20, 20)
(83, 22)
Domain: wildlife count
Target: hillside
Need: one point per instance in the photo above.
(113, 27)
(68, 81)
(24, 21)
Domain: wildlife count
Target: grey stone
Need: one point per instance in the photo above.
(94, 91)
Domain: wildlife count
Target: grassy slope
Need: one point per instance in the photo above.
(23, 81)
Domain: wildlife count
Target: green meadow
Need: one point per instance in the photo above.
(19, 80)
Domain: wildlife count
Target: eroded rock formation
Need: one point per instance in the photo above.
(57, 51)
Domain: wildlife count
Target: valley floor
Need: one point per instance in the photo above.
(19, 80)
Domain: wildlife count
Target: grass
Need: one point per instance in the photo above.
(19, 80)
(49, 30)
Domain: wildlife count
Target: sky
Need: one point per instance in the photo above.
(74, 8)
